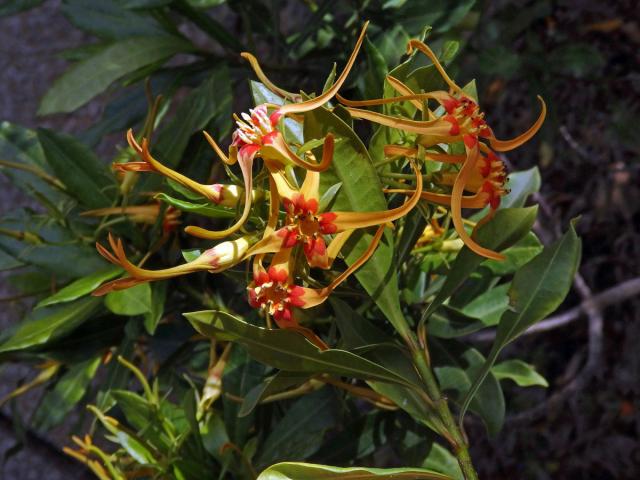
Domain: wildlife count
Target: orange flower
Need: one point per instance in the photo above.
(481, 172)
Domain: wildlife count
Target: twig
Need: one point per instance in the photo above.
(611, 296)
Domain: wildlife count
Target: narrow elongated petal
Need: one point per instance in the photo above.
(436, 63)
(438, 127)
(506, 145)
(456, 202)
(204, 190)
(253, 61)
(351, 220)
(479, 200)
(330, 93)
(393, 150)
(415, 99)
(218, 150)
(312, 297)
(278, 149)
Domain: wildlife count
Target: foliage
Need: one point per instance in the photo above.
(184, 379)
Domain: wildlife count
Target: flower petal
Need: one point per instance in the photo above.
(438, 126)
(506, 145)
(330, 93)
(350, 220)
(436, 63)
(253, 61)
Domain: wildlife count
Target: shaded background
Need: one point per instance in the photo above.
(583, 57)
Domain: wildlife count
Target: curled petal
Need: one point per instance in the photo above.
(253, 61)
(456, 203)
(204, 190)
(350, 220)
(330, 93)
(393, 150)
(479, 200)
(133, 167)
(278, 149)
(414, 98)
(217, 149)
(436, 63)
(506, 145)
(313, 297)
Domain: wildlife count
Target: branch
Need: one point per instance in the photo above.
(618, 293)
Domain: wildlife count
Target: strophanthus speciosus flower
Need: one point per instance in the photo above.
(274, 291)
(214, 260)
(481, 172)
(258, 135)
(307, 226)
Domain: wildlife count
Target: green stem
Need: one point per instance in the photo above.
(457, 440)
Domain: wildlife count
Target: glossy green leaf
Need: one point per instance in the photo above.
(69, 390)
(308, 471)
(522, 373)
(155, 313)
(361, 191)
(288, 350)
(50, 323)
(449, 322)
(537, 289)
(107, 18)
(299, 433)
(516, 256)
(206, 209)
(521, 185)
(132, 301)
(505, 229)
(456, 366)
(489, 306)
(80, 287)
(85, 177)
(376, 70)
(442, 460)
(92, 76)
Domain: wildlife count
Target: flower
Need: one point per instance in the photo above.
(273, 290)
(213, 260)
(461, 120)
(257, 134)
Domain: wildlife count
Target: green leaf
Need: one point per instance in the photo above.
(80, 287)
(107, 18)
(376, 70)
(456, 366)
(361, 191)
(442, 460)
(449, 322)
(288, 350)
(308, 471)
(83, 174)
(537, 289)
(489, 306)
(275, 384)
(522, 373)
(505, 229)
(299, 433)
(516, 256)
(132, 301)
(92, 76)
(521, 185)
(49, 323)
(154, 315)
(69, 390)
(206, 209)
(210, 100)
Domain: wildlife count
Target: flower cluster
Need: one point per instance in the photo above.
(296, 222)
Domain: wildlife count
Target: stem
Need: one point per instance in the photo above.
(457, 440)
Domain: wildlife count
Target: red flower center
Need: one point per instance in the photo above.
(272, 293)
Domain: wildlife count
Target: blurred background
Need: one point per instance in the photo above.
(582, 56)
